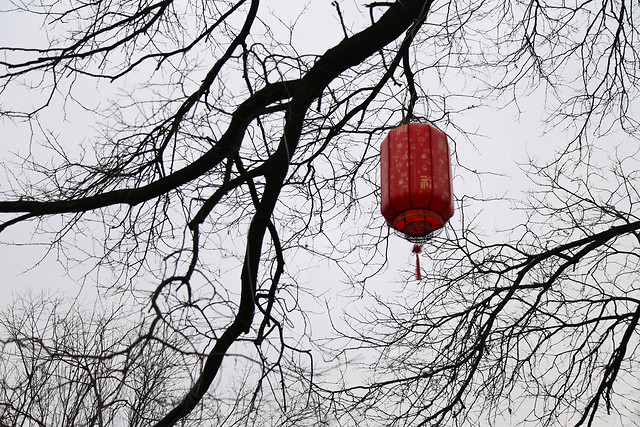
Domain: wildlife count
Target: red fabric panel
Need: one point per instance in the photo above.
(397, 197)
(421, 170)
(385, 205)
(442, 201)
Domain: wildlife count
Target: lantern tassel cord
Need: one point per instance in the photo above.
(416, 250)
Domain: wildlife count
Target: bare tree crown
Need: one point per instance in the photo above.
(202, 156)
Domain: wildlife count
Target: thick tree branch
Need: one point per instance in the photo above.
(330, 65)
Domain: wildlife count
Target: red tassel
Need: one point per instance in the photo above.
(416, 250)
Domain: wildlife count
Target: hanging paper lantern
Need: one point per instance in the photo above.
(417, 196)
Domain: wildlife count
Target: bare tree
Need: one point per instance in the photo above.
(62, 366)
(541, 330)
(223, 149)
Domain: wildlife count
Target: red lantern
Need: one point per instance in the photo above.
(417, 196)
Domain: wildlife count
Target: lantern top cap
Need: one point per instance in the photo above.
(415, 120)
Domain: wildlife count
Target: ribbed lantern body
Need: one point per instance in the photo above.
(417, 194)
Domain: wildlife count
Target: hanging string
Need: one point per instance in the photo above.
(416, 250)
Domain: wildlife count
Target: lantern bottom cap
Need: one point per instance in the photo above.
(418, 225)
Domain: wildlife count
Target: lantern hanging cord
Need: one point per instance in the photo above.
(411, 85)
(406, 65)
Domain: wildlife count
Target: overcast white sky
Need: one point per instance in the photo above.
(503, 141)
